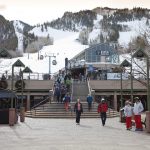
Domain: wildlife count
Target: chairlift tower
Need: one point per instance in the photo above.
(54, 62)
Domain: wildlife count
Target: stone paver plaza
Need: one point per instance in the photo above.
(64, 134)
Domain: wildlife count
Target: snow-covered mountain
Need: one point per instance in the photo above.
(69, 32)
(65, 45)
(103, 25)
(8, 38)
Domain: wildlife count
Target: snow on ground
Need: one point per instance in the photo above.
(138, 65)
(136, 27)
(65, 46)
(56, 34)
(96, 29)
(97, 21)
(18, 28)
(125, 37)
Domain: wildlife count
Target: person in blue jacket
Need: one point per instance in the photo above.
(67, 100)
(89, 101)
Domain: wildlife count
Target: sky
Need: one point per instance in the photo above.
(39, 11)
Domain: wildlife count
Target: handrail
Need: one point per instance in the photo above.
(40, 103)
(71, 89)
(89, 87)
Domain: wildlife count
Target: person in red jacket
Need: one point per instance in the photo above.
(102, 109)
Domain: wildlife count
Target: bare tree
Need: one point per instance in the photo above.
(35, 46)
(138, 68)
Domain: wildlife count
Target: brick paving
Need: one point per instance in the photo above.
(64, 134)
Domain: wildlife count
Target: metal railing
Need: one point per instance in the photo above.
(41, 103)
(89, 87)
(27, 76)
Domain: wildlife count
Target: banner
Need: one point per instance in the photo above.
(90, 68)
(117, 76)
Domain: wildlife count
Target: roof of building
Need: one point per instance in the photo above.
(7, 94)
(5, 53)
(100, 46)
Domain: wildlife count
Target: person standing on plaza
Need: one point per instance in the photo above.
(102, 109)
(89, 101)
(128, 111)
(78, 109)
(138, 108)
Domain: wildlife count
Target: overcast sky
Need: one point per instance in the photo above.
(39, 11)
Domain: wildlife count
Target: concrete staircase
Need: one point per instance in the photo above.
(79, 90)
(56, 110)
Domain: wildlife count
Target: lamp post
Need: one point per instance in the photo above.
(125, 63)
(141, 54)
(12, 115)
(131, 78)
(66, 64)
(121, 88)
(11, 109)
(12, 80)
(22, 117)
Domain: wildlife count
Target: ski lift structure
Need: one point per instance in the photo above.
(54, 62)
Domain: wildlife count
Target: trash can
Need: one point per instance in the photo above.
(122, 116)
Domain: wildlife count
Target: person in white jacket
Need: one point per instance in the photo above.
(128, 111)
(138, 108)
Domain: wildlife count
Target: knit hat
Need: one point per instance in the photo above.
(102, 99)
(136, 98)
(126, 102)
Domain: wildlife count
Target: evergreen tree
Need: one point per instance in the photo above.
(101, 38)
(83, 37)
(147, 22)
(42, 29)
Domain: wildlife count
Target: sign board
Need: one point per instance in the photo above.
(102, 53)
(90, 68)
(117, 76)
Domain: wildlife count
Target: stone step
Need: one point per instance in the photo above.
(64, 114)
(80, 90)
(61, 106)
(63, 110)
(55, 110)
(67, 115)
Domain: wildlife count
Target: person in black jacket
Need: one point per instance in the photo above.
(78, 109)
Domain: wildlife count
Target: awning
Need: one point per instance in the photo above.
(7, 94)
